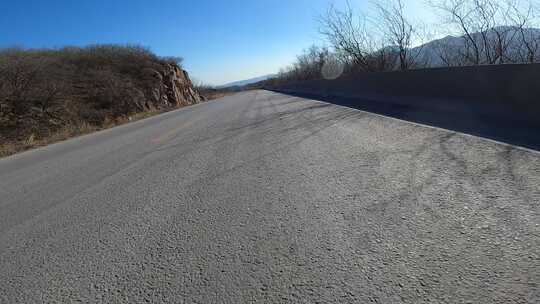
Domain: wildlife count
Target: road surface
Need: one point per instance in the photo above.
(264, 197)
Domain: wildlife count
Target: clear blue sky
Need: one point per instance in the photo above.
(221, 41)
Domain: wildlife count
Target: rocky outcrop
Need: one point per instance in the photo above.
(44, 92)
(172, 88)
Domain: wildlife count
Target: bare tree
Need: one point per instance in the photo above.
(491, 30)
(348, 33)
(488, 32)
(523, 17)
(460, 14)
(308, 65)
(449, 55)
(397, 29)
(383, 59)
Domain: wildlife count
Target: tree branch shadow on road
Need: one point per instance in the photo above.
(466, 117)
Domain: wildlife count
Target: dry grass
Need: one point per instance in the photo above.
(210, 92)
(48, 95)
(67, 132)
(218, 94)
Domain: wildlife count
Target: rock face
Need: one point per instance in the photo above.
(172, 88)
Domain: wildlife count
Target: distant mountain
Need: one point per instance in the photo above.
(241, 83)
(435, 52)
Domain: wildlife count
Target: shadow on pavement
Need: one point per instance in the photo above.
(477, 119)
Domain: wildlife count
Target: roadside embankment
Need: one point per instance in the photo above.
(50, 95)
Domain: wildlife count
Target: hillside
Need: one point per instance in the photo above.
(48, 95)
(448, 50)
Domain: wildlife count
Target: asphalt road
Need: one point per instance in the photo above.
(264, 197)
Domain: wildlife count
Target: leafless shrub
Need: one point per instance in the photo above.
(45, 91)
(174, 60)
(379, 40)
(348, 33)
(492, 32)
(382, 39)
(523, 16)
(308, 65)
(397, 30)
